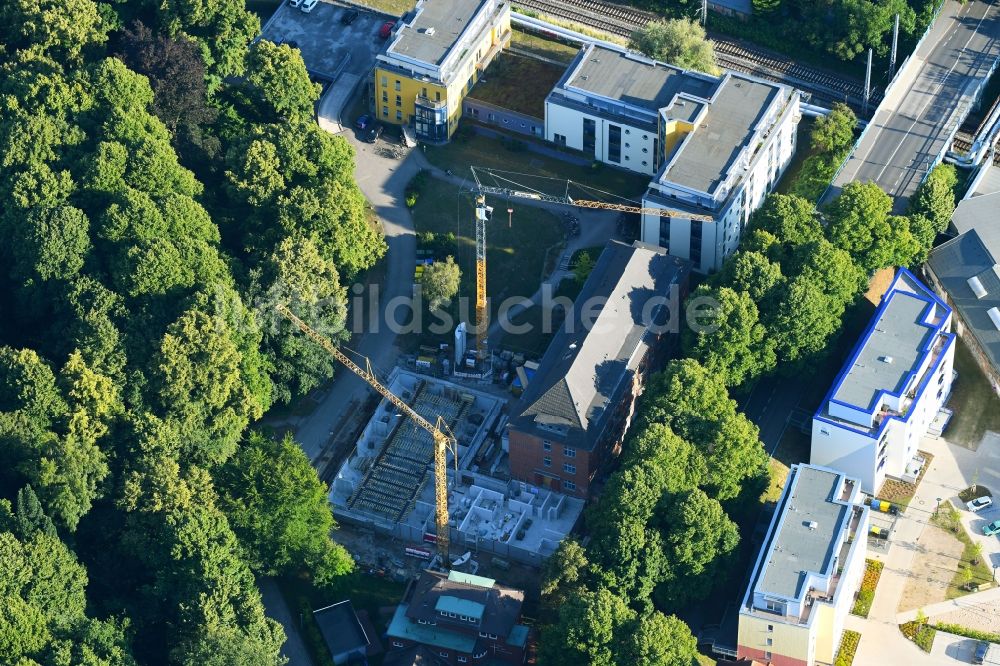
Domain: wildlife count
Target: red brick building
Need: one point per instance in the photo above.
(574, 414)
(461, 619)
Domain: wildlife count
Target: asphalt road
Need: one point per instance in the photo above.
(911, 128)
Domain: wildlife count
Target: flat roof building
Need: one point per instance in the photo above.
(890, 389)
(807, 571)
(343, 633)
(435, 54)
(579, 403)
(714, 145)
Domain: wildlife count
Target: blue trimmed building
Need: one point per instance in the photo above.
(895, 381)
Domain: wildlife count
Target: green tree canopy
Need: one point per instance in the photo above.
(935, 197)
(279, 77)
(835, 131)
(859, 224)
(283, 520)
(440, 282)
(681, 42)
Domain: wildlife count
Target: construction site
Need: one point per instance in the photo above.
(387, 482)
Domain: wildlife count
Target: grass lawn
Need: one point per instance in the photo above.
(901, 492)
(848, 647)
(948, 519)
(366, 592)
(540, 172)
(976, 406)
(543, 47)
(505, 80)
(394, 7)
(517, 256)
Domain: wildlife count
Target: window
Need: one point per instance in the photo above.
(451, 615)
(615, 143)
(627, 132)
(770, 627)
(767, 655)
(397, 644)
(774, 606)
(644, 163)
(569, 452)
(569, 469)
(569, 485)
(547, 461)
(480, 655)
(769, 642)
(423, 92)
(546, 445)
(462, 659)
(437, 95)
(385, 81)
(385, 97)
(399, 100)
(493, 636)
(560, 139)
(482, 634)
(628, 145)
(443, 654)
(385, 111)
(626, 158)
(645, 150)
(397, 85)
(399, 115)
(590, 137)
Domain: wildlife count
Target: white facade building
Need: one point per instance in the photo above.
(807, 572)
(897, 379)
(714, 146)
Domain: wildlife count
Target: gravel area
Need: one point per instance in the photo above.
(938, 553)
(984, 616)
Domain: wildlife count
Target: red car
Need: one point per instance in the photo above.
(386, 29)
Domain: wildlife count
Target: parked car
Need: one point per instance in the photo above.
(386, 29)
(307, 5)
(376, 131)
(363, 122)
(979, 503)
(979, 655)
(992, 528)
(295, 3)
(349, 16)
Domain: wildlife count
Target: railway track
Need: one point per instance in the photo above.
(962, 144)
(824, 87)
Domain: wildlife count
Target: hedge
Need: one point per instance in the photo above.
(959, 630)
(922, 635)
(848, 646)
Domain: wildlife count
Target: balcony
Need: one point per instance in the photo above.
(427, 102)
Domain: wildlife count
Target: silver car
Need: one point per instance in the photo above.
(979, 503)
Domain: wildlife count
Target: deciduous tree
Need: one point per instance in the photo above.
(681, 42)
(440, 282)
(279, 76)
(834, 131)
(935, 197)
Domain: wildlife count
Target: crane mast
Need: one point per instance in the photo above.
(442, 442)
(482, 312)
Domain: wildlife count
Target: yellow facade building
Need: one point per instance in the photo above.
(807, 572)
(435, 55)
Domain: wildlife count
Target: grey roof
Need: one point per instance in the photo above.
(894, 348)
(341, 629)
(981, 213)
(987, 181)
(633, 79)
(739, 6)
(953, 263)
(502, 604)
(797, 547)
(708, 153)
(435, 29)
(416, 655)
(582, 372)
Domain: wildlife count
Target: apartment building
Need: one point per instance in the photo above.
(461, 619)
(892, 386)
(714, 146)
(965, 272)
(578, 405)
(807, 572)
(435, 54)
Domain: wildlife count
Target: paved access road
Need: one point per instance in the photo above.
(912, 125)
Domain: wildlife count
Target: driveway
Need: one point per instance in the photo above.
(276, 609)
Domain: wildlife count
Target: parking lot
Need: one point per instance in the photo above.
(339, 55)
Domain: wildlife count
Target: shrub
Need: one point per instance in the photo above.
(411, 199)
(848, 647)
(863, 604)
(919, 633)
(959, 630)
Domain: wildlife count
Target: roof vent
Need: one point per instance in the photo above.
(429, 31)
(812, 524)
(994, 317)
(976, 286)
(572, 345)
(886, 359)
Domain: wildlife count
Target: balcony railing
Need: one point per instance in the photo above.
(431, 103)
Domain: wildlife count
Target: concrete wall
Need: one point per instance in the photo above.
(637, 144)
(847, 451)
(510, 121)
(790, 643)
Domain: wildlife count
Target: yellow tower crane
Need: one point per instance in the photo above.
(444, 440)
(484, 213)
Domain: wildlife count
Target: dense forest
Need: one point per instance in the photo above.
(162, 186)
